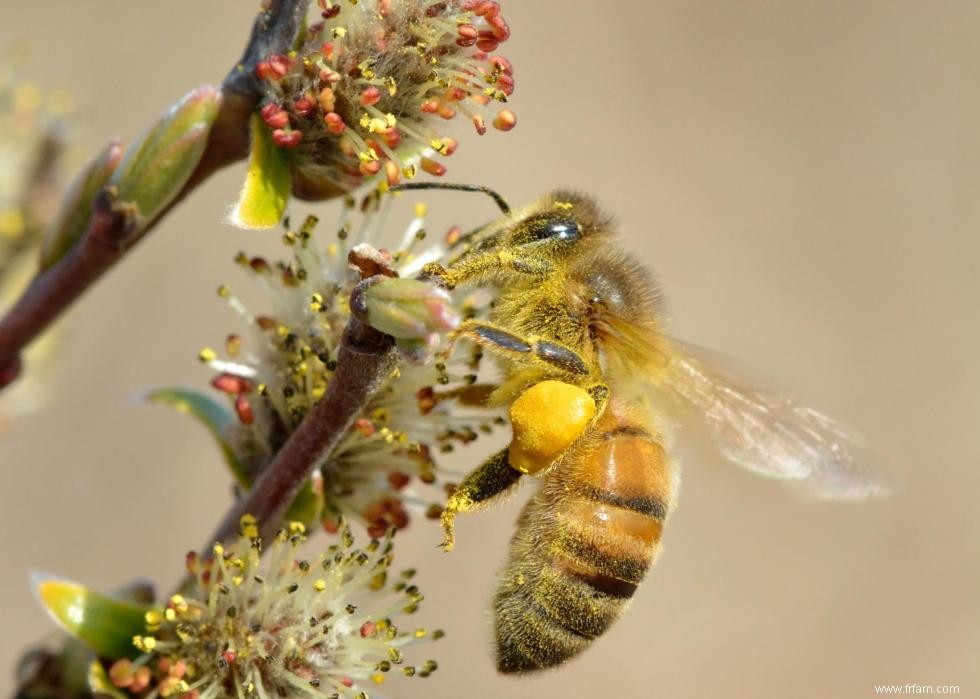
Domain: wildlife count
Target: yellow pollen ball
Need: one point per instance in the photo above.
(547, 418)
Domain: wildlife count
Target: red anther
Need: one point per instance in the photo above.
(370, 96)
(480, 124)
(376, 148)
(392, 137)
(498, 25)
(327, 50)
(502, 64)
(275, 116)
(398, 480)
(287, 139)
(335, 124)
(392, 173)
(258, 264)
(505, 84)
(229, 656)
(370, 168)
(488, 41)
(426, 397)
(191, 562)
(230, 383)
(452, 237)
(263, 71)
(435, 10)
(505, 120)
(482, 8)
(430, 106)
(244, 410)
(446, 110)
(432, 167)
(365, 427)
(266, 322)
(279, 64)
(331, 526)
(456, 94)
(384, 7)
(468, 31)
(449, 145)
(329, 77)
(326, 100)
(304, 105)
(347, 681)
(314, 31)
(331, 12)
(367, 629)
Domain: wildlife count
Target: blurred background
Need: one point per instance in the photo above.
(802, 177)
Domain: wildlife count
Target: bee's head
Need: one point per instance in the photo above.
(556, 226)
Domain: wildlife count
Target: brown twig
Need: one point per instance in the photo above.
(110, 234)
(365, 360)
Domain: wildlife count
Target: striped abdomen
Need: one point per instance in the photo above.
(582, 546)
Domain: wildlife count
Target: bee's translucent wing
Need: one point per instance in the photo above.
(767, 431)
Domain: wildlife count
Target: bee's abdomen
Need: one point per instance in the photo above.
(582, 547)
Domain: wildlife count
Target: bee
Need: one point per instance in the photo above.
(594, 385)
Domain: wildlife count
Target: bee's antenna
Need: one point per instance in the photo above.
(497, 199)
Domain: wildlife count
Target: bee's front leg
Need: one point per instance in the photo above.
(490, 480)
(477, 267)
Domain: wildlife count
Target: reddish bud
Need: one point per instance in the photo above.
(392, 173)
(335, 124)
(370, 96)
(330, 77)
(326, 100)
(432, 167)
(449, 146)
(287, 139)
(505, 120)
(398, 480)
(230, 383)
(364, 426)
(244, 410)
(275, 116)
(367, 629)
(304, 105)
(369, 168)
(279, 65)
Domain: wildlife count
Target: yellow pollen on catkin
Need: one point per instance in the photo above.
(547, 418)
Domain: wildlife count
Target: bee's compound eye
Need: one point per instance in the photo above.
(564, 230)
(553, 229)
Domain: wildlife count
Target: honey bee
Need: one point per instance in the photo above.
(594, 384)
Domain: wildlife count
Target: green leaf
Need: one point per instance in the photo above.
(263, 198)
(104, 624)
(214, 416)
(156, 167)
(76, 205)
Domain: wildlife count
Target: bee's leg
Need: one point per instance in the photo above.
(478, 266)
(518, 349)
(491, 479)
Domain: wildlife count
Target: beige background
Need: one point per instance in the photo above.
(803, 177)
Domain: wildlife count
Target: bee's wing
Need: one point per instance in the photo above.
(767, 431)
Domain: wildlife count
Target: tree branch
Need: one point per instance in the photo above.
(365, 360)
(110, 234)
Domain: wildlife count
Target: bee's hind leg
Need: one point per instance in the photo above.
(482, 485)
